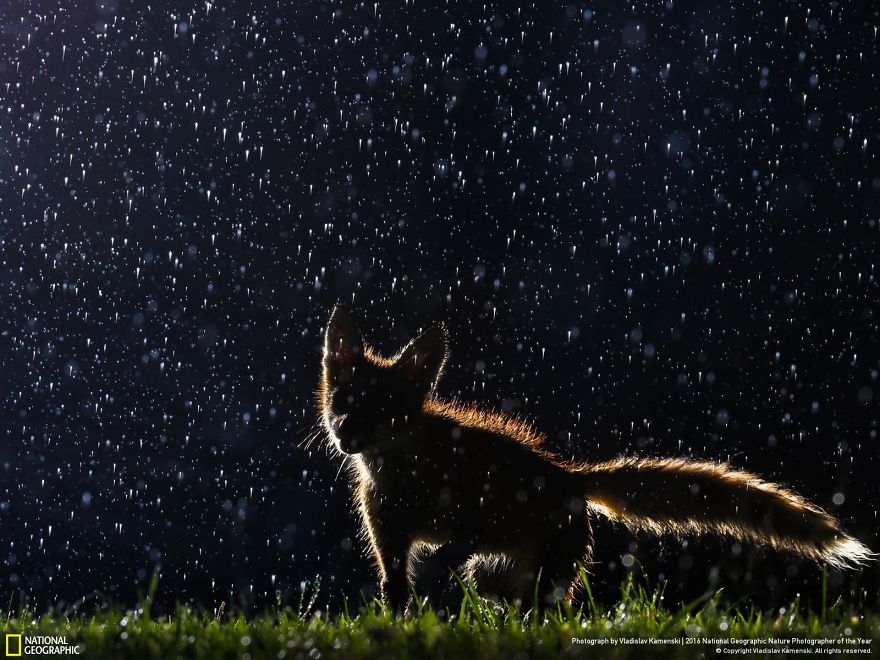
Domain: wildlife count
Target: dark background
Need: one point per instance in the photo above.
(651, 228)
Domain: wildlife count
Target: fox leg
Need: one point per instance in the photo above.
(449, 556)
(550, 568)
(390, 546)
(391, 552)
(495, 576)
(566, 547)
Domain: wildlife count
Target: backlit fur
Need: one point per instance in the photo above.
(479, 493)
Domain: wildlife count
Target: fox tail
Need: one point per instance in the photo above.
(678, 496)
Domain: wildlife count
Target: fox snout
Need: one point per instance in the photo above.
(351, 437)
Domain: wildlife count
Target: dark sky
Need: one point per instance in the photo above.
(651, 228)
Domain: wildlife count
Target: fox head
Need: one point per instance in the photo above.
(365, 399)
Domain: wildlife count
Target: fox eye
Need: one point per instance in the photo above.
(342, 399)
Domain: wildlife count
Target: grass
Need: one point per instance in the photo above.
(639, 624)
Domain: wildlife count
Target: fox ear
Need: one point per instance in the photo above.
(423, 358)
(342, 344)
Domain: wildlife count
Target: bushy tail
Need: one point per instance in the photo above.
(696, 497)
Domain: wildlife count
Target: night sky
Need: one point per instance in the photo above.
(651, 228)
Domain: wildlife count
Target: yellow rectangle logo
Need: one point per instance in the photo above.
(13, 645)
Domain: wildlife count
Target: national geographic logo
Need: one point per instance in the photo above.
(13, 646)
(20, 644)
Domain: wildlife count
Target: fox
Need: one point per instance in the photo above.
(480, 491)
